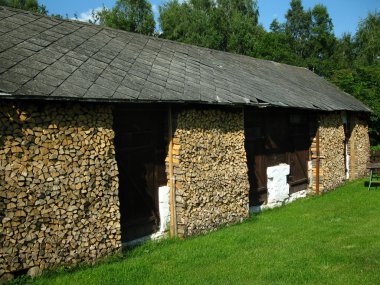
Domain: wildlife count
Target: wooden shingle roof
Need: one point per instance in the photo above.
(47, 58)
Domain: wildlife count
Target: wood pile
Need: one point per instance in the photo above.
(332, 165)
(210, 170)
(58, 185)
(359, 148)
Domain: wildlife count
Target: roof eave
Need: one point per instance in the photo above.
(8, 96)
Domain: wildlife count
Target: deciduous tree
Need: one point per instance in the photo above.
(129, 15)
(368, 39)
(223, 25)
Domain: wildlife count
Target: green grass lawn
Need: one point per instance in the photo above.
(330, 239)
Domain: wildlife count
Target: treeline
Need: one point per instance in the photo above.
(306, 38)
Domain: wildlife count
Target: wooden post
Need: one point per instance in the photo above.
(317, 163)
(173, 216)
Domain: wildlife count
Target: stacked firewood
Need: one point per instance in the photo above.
(359, 148)
(58, 185)
(210, 170)
(332, 163)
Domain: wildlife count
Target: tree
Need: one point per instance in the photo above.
(297, 27)
(248, 8)
(276, 46)
(322, 37)
(29, 5)
(190, 22)
(276, 27)
(129, 15)
(237, 23)
(243, 35)
(321, 42)
(368, 39)
(344, 52)
(224, 25)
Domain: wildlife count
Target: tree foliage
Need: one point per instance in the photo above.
(29, 5)
(228, 25)
(297, 27)
(276, 27)
(322, 38)
(190, 22)
(368, 39)
(129, 15)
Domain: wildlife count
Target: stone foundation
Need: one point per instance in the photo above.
(210, 169)
(58, 185)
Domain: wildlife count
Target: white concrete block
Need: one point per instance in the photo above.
(278, 188)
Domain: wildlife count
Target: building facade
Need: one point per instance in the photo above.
(108, 136)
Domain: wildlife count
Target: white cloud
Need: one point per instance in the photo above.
(86, 16)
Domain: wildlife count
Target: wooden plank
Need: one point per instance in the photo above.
(173, 212)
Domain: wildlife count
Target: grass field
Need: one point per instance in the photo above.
(330, 239)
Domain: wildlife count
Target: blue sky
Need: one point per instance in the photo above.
(346, 14)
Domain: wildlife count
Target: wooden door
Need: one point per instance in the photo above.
(274, 137)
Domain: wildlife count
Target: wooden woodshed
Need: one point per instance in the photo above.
(108, 136)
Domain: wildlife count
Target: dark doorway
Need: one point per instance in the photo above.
(141, 144)
(273, 137)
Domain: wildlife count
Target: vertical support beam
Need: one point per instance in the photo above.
(317, 163)
(173, 212)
